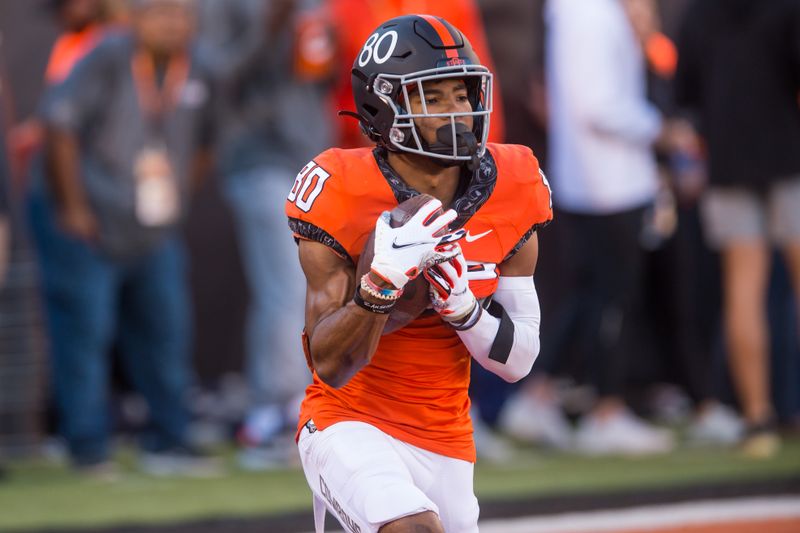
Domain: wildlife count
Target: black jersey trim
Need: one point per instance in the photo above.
(525, 238)
(309, 231)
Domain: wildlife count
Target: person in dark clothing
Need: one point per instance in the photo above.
(5, 232)
(739, 71)
(128, 132)
(270, 89)
(5, 179)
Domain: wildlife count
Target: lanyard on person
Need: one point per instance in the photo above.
(156, 101)
(157, 199)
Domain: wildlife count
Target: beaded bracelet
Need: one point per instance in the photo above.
(381, 309)
(371, 288)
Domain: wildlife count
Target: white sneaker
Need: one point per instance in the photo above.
(621, 434)
(182, 462)
(718, 425)
(534, 421)
(262, 425)
(669, 405)
(279, 452)
(488, 445)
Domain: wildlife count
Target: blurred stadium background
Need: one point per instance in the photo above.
(40, 492)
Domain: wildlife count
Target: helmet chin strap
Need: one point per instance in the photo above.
(465, 141)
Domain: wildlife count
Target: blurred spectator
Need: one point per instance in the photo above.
(116, 12)
(679, 310)
(81, 20)
(738, 70)
(516, 38)
(126, 132)
(5, 174)
(82, 29)
(273, 62)
(5, 178)
(602, 130)
(515, 34)
(352, 31)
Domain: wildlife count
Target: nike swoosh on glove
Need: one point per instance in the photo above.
(423, 241)
(449, 288)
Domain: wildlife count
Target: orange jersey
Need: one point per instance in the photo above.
(352, 31)
(415, 387)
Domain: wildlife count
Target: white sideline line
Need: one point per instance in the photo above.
(651, 516)
(745, 509)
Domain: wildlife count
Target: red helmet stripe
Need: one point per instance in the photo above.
(444, 34)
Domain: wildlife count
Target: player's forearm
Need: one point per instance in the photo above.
(507, 345)
(344, 342)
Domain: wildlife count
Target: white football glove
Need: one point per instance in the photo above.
(449, 288)
(401, 254)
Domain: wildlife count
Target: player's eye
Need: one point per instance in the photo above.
(432, 100)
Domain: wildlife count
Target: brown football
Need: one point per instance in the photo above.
(415, 297)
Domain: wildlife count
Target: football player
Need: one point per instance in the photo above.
(384, 435)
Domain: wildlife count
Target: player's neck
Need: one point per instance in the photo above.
(426, 176)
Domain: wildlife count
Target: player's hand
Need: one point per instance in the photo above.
(449, 288)
(402, 253)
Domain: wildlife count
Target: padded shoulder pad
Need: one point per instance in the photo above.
(521, 198)
(336, 198)
(521, 177)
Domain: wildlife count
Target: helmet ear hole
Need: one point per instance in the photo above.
(372, 110)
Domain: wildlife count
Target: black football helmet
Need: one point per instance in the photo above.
(402, 54)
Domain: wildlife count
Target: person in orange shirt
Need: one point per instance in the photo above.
(352, 31)
(83, 30)
(384, 434)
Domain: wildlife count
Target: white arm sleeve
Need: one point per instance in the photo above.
(495, 345)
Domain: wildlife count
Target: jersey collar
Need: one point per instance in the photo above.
(471, 199)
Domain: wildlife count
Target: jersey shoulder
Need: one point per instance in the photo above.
(334, 199)
(522, 183)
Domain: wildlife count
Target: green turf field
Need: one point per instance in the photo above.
(36, 495)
